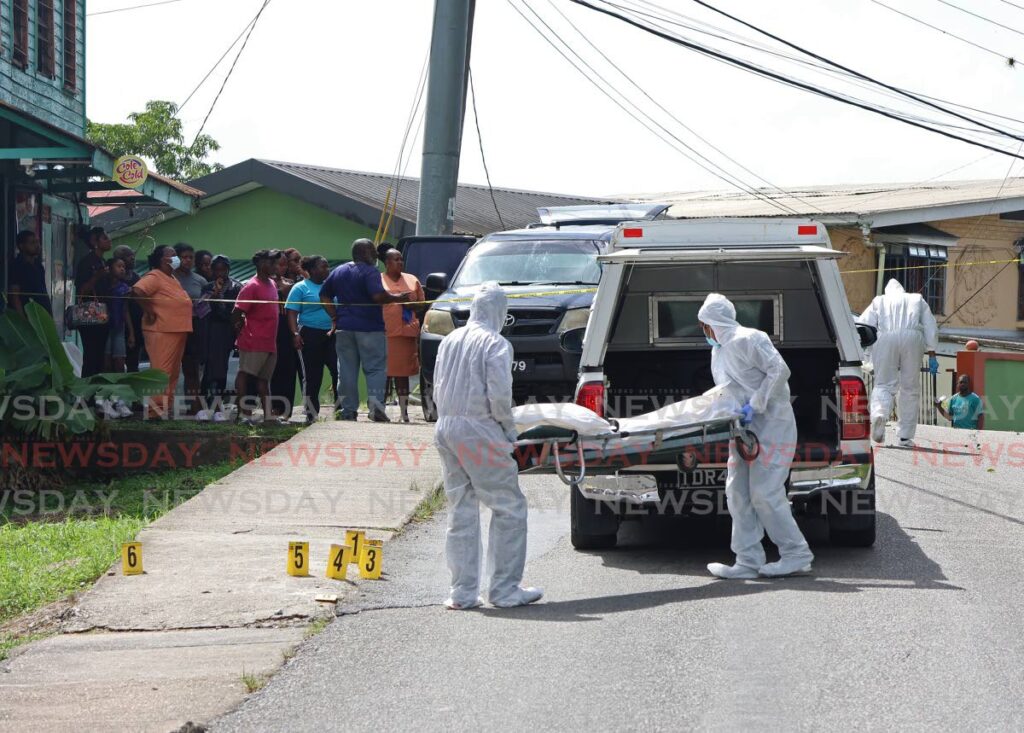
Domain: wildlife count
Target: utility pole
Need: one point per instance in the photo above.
(446, 107)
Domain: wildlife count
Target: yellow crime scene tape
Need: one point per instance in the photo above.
(512, 296)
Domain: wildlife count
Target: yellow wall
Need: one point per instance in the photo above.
(983, 239)
(860, 286)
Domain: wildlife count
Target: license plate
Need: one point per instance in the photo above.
(522, 366)
(706, 477)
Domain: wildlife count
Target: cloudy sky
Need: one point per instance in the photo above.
(331, 82)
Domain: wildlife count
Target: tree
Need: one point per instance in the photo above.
(156, 135)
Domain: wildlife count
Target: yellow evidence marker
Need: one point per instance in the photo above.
(131, 558)
(355, 538)
(370, 561)
(338, 562)
(298, 558)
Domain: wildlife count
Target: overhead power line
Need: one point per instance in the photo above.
(133, 7)
(483, 158)
(231, 70)
(1006, 58)
(730, 37)
(855, 73)
(218, 62)
(980, 17)
(669, 113)
(665, 135)
(775, 76)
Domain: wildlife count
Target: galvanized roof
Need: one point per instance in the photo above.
(360, 196)
(884, 204)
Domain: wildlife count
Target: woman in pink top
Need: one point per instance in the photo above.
(255, 319)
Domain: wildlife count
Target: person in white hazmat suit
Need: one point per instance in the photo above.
(906, 329)
(755, 492)
(474, 435)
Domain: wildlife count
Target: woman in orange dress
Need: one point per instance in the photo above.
(402, 327)
(166, 323)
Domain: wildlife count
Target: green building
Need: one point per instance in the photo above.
(48, 171)
(260, 204)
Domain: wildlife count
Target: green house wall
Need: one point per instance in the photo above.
(256, 220)
(30, 91)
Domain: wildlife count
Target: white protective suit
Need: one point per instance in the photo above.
(474, 435)
(756, 491)
(906, 329)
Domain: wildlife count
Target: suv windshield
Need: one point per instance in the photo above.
(534, 262)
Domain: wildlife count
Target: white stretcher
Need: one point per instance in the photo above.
(601, 447)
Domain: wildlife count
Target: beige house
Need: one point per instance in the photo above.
(957, 243)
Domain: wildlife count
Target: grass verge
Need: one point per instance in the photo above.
(56, 542)
(430, 505)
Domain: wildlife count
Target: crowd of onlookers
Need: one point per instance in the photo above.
(292, 320)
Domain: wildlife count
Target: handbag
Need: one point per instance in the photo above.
(87, 313)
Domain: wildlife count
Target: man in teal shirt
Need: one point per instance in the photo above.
(965, 409)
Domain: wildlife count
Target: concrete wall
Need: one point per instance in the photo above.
(983, 239)
(860, 286)
(34, 93)
(257, 220)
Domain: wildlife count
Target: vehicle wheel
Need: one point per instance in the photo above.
(748, 446)
(427, 399)
(593, 525)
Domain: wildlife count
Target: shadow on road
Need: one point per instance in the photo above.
(895, 562)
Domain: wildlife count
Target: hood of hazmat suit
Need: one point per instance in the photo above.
(906, 329)
(756, 492)
(474, 435)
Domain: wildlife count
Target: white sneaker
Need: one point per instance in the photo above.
(520, 597)
(203, 416)
(731, 572)
(451, 605)
(786, 566)
(906, 443)
(219, 417)
(123, 410)
(878, 430)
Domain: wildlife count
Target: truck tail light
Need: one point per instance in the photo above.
(853, 399)
(591, 396)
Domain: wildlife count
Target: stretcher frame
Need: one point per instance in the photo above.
(673, 439)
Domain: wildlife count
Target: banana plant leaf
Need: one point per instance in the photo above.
(61, 371)
(24, 380)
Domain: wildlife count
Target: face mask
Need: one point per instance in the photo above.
(711, 342)
(175, 262)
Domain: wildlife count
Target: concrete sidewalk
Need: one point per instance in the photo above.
(151, 652)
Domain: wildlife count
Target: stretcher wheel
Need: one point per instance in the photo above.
(748, 446)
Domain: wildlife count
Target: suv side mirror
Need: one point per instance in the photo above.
(868, 334)
(437, 283)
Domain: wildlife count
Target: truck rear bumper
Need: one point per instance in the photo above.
(805, 482)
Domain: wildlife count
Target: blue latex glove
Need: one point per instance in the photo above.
(746, 414)
(933, 365)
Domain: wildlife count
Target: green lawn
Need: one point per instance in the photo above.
(57, 543)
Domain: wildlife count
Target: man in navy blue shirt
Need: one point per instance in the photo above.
(28, 278)
(353, 295)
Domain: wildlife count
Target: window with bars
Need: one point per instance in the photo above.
(70, 45)
(19, 26)
(921, 269)
(45, 61)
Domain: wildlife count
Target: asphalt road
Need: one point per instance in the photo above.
(925, 630)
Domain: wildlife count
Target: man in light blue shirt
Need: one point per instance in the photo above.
(312, 334)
